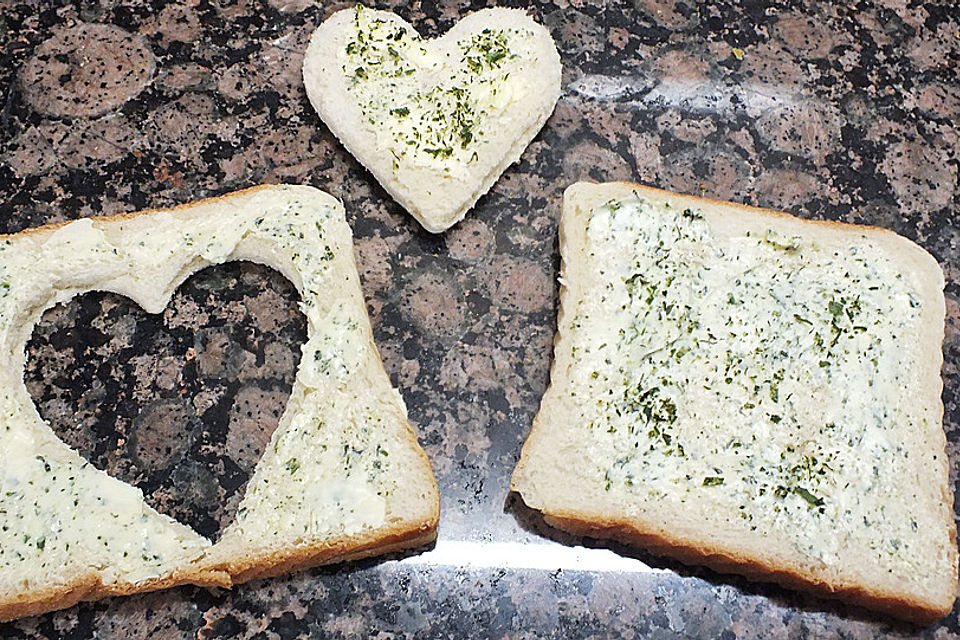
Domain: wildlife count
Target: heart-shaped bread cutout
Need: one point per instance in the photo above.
(435, 121)
(342, 477)
(192, 395)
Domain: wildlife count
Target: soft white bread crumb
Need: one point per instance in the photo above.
(342, 477)
(743, 389)
(435, 121)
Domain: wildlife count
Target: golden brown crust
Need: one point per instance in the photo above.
(722, 561)
(200, 578)
(91, 588)
(59, 597)
(282, 561)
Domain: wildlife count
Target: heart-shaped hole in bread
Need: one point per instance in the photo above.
(342, 476)
(180, 404)
(435, 121)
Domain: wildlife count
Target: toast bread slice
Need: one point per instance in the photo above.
(750, 391)
(343, 476)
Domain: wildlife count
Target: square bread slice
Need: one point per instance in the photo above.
(342, 477)
(749, 391)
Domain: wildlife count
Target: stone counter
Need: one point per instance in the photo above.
(825, 111)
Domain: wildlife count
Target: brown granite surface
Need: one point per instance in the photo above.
(845, 111)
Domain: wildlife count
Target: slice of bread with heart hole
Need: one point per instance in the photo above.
(342, 477)
(435, 121)
(743, 389)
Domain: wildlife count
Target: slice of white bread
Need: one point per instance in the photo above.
(746, 390)
(343, 476)
(435, 121)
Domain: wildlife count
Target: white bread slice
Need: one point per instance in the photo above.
(435, 121)
(343, 476)
(746, 390)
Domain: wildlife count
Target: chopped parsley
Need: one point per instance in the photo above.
(443, 121)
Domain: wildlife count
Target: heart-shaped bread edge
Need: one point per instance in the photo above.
(301, 232)
(326, 86)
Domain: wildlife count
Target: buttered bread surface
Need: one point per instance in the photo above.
(341, 477)
(764, 388)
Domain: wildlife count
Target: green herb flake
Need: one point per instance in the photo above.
(292, 465)
(811, 499)
(495, 56)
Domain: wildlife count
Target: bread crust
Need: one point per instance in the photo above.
(274, 563)
(50, 599)
(89, 588)
(696, 552)
(709, 548)
(44, 229)
(412, 528)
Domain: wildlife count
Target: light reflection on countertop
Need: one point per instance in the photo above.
(516, 555)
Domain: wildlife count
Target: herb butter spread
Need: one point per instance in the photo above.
(758, 372)
(327, 469)
(421, 104)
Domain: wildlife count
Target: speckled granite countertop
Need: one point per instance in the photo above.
(830, 112)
